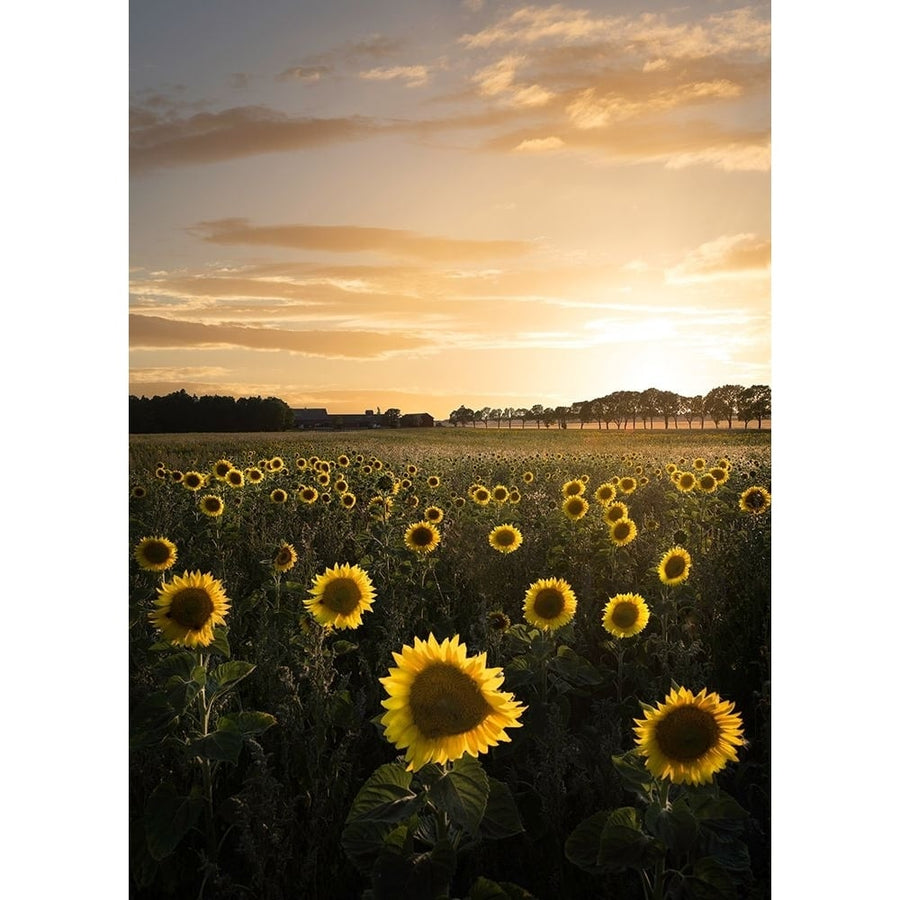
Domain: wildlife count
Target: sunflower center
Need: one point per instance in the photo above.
(505, 538)
(283, 557)
(212, 504)
(191, 608)
(549, 603)
(421, 536)
(675, 566)
(615, 513)
(755, 499)
(156, 552)
(621, 530)
(341, 595)
(686, 733)
(625, 614)
(446, 701)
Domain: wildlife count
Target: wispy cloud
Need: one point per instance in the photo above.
(147, 332)
(303, 73)
(355, 239)
(412, 76)
(728, 256)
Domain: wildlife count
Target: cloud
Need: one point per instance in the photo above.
(303, 73)
(539, 145)
(728, 256)
(355, 239)
(414, 76)
(239, 80)
(153, 332)
(234, 133)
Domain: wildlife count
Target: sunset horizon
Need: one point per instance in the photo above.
(427, 205)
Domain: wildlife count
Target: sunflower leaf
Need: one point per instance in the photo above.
(220, 641)
(230, 673)
(583, 844)
(247, 722)
(385, 797)
(224, 746)
(462, 793)
(167, 819)
(501, 818)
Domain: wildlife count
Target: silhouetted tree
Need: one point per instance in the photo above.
(391, 417)
(755, 402)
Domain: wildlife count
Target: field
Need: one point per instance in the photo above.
(263, 763)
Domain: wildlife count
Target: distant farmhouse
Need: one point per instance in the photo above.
(306, 419)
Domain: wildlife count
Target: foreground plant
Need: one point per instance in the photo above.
(684, 837)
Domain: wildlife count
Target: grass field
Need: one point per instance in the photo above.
(260, 763)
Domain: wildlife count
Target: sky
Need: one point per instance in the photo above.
(429, 203)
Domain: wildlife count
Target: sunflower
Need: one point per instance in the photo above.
(412, 470)
(755, 500)
(550, 603)
(188, 607)
(614, 512)
(528, 477)
(380, 508)
(193, 481)
(348, 500)
(341, 486)
(459, 502)
(434, 481)
(366, 469)
(685, 481)
(279, 495)
(343, 460)
(481, 495)
(627, 485)
(500, 493)
(155, 554)
(573, 488)
(707, 482)
(514, 496)
(498, 620)
(275, 464)
(285, 558)
(505, 538)
(699, 464)
(235, 478)
(308, 494)
(434, 514)
(675, 566)
(575, 507)
(422, 537)
(162, 474)
(622, 532)
(176, 476)
(412, 501)
(720, 473)
(689, 737)
(324, 479)
(211, 505)
(138, 492)
(442, 704)
(255, 475)
(671, 468)
(340, 596)
(606, 493)
(301, 463)
(222, 468)
(626, 615)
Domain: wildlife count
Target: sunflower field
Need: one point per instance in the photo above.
(450, 664)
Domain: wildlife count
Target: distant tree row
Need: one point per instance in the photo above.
(181, 412)
(728, 403)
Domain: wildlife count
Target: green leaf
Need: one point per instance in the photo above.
(501, 818)
(230, 673)
(220, 640)
(181, 692)
(462, 793)
(362, 841)
(633, 772)
(343, 710)
(338, 648)
(722, 812)
(624, 845)
(583, 844)
(385, 797)
(423, 876)
(167, 819)
(150, 719)
(676, 827)
(247, 722)
(181, 664)
(574, 669)
(517, 673)
(710, 881)
(198, 675)
(224, 746)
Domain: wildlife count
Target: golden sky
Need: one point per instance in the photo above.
(425, 203)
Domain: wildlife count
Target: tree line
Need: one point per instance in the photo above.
(182, 412)
(728, 403)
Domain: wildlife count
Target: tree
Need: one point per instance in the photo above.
(509, 414)
(461, 416)
(692, 408)
(585, 411)
(496, 414)
(537, 413)
(669, 406)
(523, 414)
(721, 403)
(649, 405)
(391, 417)
(755, 402)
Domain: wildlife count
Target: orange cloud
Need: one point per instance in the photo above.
(153, 332)
(354, 239)
(729, 256)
